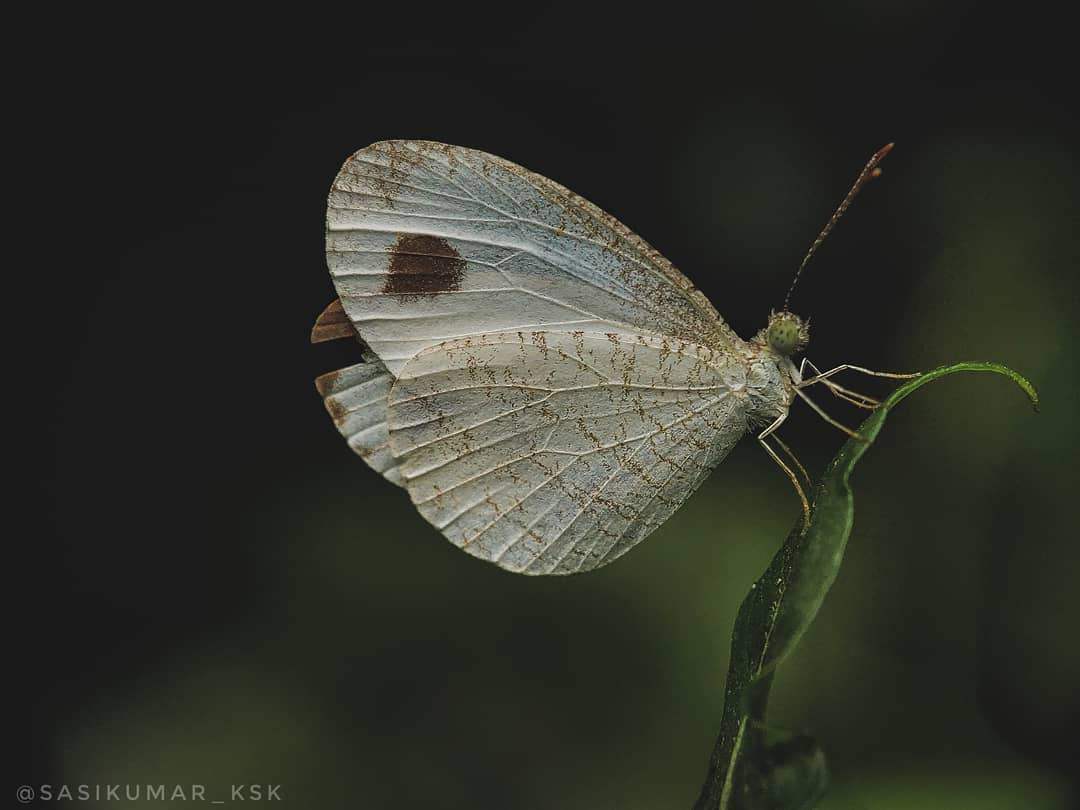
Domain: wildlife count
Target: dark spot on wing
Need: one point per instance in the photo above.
(423, 265)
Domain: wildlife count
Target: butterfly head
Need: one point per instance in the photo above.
(786, 334)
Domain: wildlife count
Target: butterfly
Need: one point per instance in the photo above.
(545, 385)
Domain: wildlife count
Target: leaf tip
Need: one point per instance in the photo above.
(1027, 388)
(1033, 395)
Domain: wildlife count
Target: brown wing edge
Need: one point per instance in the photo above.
(332, 324)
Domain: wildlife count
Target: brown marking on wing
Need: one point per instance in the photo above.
(337, 411)
(325, 383)
(332, 324)
(423, 265)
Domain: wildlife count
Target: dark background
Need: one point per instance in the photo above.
(214, 590)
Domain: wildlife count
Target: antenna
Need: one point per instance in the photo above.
(869, 172)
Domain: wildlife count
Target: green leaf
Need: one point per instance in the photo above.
(754, 766)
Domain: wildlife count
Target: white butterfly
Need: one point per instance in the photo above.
(545, 385)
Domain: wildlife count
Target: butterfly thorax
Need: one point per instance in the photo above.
(769, 388)
(771, 376)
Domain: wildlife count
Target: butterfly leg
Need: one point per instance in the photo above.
(854, 397)
(848, 367)
(792, 456)
(794, 478)
(825, 416)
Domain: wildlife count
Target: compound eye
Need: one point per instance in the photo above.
(783, 336)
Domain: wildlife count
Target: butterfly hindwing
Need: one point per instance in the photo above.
(555, 452)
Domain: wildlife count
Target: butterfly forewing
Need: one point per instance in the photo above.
(428, 242)
(555, 452)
